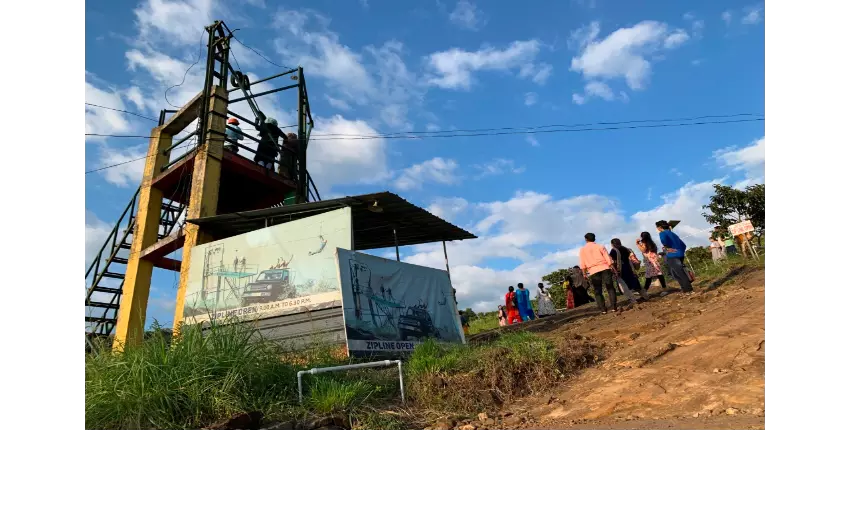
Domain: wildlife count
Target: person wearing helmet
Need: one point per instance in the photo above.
(232, 134)
(267, 149)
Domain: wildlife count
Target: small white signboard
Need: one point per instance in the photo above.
(741, 228)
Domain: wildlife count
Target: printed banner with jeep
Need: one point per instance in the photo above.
(278, 270)
(390, 307)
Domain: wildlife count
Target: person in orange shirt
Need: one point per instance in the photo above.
(511, 306)
(595, 262)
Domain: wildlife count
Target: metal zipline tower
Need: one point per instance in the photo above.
(204, 181)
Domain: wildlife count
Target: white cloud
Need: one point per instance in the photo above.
(726, 17)
(466, 15)
(513, 229)
(169, 21)
(676, 38)
(123, 175)
(752, 15)
(498, 166)
(448, 208)
(749, 160)
(96, 232)
(623, 54)
(454, 68)
(541, 233)
(101, 120)
(598, 89)
(530, 98)
(532, 140)
(432, 127)
(438, 170)
(336, 162)
(377, 76)
(339, 104)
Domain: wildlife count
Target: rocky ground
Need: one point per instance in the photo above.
(677, 362)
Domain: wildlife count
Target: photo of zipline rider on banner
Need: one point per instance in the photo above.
(391, 307)
(278, 270)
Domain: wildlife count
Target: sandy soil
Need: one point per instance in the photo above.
(676, 362)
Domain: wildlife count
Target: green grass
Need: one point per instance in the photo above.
(483, 323)
(334, 395)
(463, 378)
(199, 380)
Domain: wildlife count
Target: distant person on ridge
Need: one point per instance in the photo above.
(511, 306)
(232, 134)
(545, 306)
(503, 316)
(595, 262)
(674, 249)
(523, 300)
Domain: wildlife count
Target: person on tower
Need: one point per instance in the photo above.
(267, 149)
(232, 134)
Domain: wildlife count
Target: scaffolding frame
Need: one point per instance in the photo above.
(151, 220)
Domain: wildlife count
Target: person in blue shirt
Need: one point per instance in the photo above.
(232, 134)
(523, 302)
(674, 250)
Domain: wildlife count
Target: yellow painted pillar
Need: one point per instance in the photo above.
(130, 328)
(203, 201)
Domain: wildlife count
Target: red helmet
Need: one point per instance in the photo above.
(233, 120)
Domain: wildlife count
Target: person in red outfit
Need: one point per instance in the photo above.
(511, 306)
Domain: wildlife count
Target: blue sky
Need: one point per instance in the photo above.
(386, 66)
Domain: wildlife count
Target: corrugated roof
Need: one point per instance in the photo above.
(372, 230)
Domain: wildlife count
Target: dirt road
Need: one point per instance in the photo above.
(677, 362)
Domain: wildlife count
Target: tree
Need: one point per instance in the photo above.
(730, 205)
(555, 279)
(698, 255)
(470, 314)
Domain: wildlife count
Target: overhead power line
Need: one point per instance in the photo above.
(530, 132)
(545, 126)
(122, 111)
(456, 135)
(510, 130)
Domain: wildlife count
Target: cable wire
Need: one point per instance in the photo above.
(123, 111)
(679, 119)
(459, 135)
(462, 135)
(260, 54)
(200, 50)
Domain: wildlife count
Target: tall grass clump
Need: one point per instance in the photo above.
(464, 378)
(188, 382)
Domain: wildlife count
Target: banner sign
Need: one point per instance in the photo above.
(390, 307)
(278, 270)
(741, 228)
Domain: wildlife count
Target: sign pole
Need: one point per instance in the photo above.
(446, 255)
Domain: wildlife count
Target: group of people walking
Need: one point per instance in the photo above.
(518, 307)
(605, 270)
(620, 266)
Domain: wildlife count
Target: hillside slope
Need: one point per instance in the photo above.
(680, 362)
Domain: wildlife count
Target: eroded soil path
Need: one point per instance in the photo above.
(676, 362)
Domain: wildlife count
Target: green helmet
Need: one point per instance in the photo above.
(271, 120)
